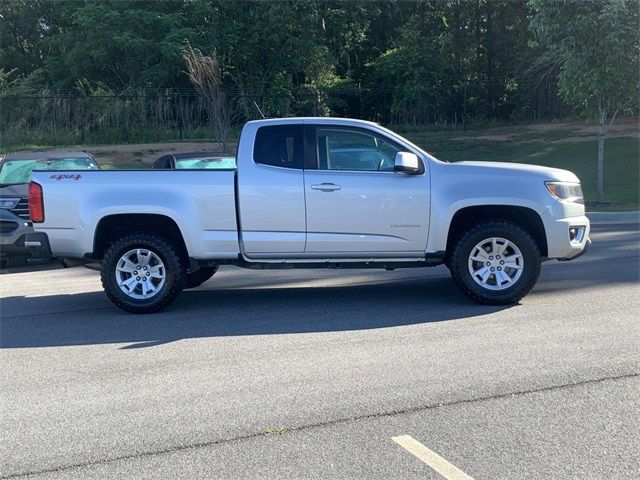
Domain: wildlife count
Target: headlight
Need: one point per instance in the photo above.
(569, 192)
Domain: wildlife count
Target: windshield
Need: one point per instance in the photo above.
(206, 163)
(15, 172)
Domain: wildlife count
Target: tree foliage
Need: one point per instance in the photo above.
(596, 46)
(422, 61)
(400, 61)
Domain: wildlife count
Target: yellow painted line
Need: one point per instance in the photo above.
(431, 458)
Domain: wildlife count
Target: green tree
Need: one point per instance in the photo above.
(121, 45)
(275, 56)
(596, 45)
(403, 61)
(448, 61)
(23, 26)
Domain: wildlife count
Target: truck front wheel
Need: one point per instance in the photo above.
(495, 263)
(142, 273)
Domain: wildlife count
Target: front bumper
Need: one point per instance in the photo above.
(579, 254)
(13, 231)
(568, 238)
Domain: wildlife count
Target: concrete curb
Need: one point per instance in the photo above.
(612, 218)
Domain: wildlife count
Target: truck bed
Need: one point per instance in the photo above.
(200, 202)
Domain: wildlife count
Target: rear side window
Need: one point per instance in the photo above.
(279, 146)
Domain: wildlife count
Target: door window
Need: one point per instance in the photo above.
(279, 146)
(350, 149)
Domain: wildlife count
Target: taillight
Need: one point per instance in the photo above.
(36, 203)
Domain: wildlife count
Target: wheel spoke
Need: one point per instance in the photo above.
(126, 265)
(483, 273)
(511, 262)
(129, 283)
(143, 259)
(156, 272)
(502, 278)
(502, 247)
(479, 255)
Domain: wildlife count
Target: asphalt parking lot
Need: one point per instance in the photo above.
(311, 373)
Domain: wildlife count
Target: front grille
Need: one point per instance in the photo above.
(21, 209)
(7, 226)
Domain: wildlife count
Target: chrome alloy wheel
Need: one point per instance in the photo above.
(495, 263)
(140, 273)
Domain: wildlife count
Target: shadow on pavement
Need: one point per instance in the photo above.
(256, 309)
(20, 264)
(91, 319)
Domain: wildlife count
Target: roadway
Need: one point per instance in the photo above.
(310, 373)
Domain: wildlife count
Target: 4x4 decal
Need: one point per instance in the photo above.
(66, 176)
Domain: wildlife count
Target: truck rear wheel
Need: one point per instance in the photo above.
(495, 263)
(142, 273)
(197, 278)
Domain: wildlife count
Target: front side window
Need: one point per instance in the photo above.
(349, 149)
(279, 146)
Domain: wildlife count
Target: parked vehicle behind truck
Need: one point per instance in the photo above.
(15, 175)
(313, 192)
(195, 161)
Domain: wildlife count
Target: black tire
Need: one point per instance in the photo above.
(175, 273)
(197, 278)
(459, 262)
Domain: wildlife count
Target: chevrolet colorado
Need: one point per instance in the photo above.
(312, 192)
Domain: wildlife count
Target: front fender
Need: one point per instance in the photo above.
(455, 189)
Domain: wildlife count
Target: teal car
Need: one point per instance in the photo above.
(195, 161)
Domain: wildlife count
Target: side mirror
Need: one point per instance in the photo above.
(406, 162)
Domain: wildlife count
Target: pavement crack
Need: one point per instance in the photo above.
(389, 413)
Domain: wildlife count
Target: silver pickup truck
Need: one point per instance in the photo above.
(312, 192)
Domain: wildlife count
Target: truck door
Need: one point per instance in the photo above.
(356, 203)
(270, 190)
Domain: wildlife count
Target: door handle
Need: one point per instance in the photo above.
(326, 187)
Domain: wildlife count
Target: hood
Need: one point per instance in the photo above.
(20, 190)
(516, 169)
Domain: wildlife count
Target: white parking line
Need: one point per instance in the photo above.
(431, 458)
